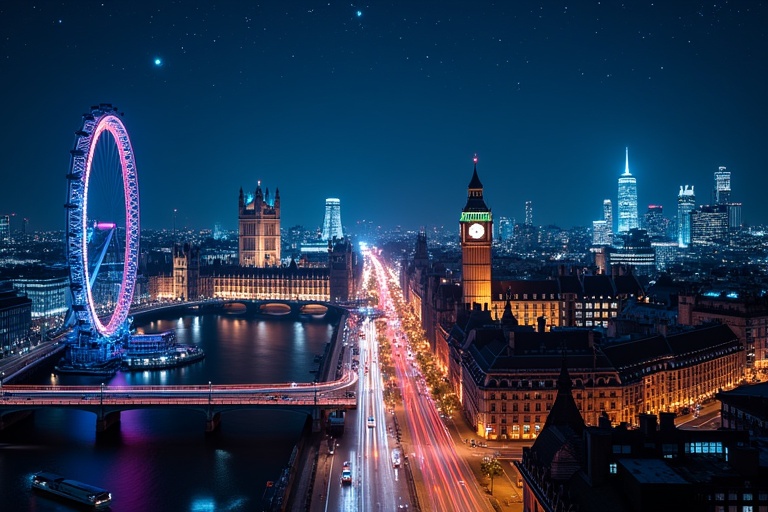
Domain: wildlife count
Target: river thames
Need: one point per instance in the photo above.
(163, 460)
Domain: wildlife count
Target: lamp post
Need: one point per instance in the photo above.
(101, 396)
(314, 383)
(210, 392)
(2, 378)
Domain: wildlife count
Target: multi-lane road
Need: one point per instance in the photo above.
(368, 440)
(448, 480)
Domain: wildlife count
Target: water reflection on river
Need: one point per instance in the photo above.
(163, 460)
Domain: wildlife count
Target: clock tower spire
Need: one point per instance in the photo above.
(476, 230)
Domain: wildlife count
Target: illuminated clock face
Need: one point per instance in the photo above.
(476, 230)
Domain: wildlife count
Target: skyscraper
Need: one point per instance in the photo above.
(608, 218)
(627, 199)
(5, 229)
(332, 222)
(722, 191)
(655, 223)
(506, 226)
(600, 234)
(686, 203)
(529, 213)
(709, 225)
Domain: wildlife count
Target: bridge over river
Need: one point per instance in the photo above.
(107, 402)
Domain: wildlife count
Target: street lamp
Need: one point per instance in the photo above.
(210, 392)
(101, 399)
(2, 378)
(314, 383)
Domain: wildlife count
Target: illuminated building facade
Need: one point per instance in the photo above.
(602, 230)
(746, 316)
(332, 221)
(686, 203)
(48, 294)
(5, 229)
(636, 254)
(476, 231)
(627, 199)
(722, 191)
(278, 283)
(336, 282)
(186, 272)
(506, 228)
(259, 228)
(654, 221)
(666, 253)
(529, 213)
(608, 214)
(734, 216)
(508, 374)
(534, 304)
(709, 225)
(15, 319)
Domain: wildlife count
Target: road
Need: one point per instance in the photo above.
(450, 481)
(708, 418)
(367, 445)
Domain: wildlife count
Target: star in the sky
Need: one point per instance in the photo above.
(158, 62)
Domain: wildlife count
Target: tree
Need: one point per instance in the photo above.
(491, 467)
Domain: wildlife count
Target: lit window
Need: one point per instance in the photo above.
(612, 468)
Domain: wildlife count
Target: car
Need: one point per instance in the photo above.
(371, 422)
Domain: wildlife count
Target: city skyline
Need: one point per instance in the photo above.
(383, 106)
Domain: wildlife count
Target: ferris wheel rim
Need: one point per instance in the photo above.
(101, 120)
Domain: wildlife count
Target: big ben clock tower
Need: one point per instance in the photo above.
(476, 228)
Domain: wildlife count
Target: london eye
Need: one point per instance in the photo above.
(102, 211)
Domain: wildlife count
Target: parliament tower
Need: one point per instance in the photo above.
(476, 230)
(259, 229)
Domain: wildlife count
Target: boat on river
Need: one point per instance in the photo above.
(158, 351)
(57, 485)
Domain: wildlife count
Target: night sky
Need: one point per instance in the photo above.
(384, 104)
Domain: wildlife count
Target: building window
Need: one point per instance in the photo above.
(704, 447)
(612, 468)
(622, 448)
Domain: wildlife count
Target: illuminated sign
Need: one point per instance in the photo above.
(475, 217)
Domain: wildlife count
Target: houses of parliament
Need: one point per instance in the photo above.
(260, 273)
